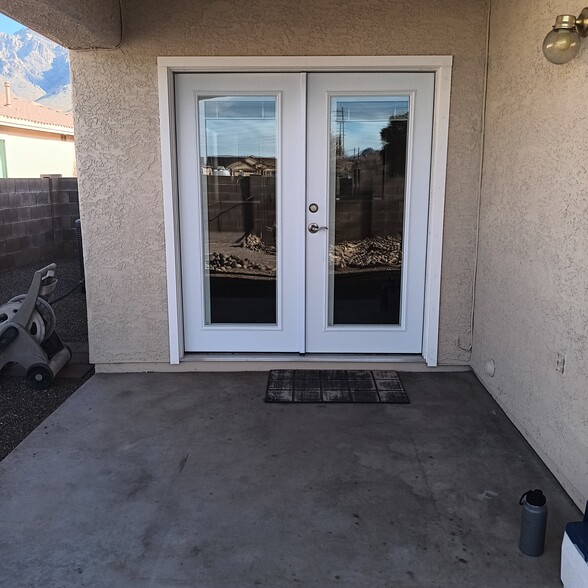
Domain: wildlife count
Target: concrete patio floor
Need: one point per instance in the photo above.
(191, 480)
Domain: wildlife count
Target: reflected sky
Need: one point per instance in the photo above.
(240, 138)
(246, 125)
(238, 126)
(357, 122)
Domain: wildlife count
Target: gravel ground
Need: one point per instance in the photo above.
(72, 322)
(22, 409)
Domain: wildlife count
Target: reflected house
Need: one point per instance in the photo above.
(254, 166)
(240, 167)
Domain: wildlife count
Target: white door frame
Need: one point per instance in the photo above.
(201, 333)
(441, 66)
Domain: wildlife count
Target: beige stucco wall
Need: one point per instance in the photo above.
(117, 126)
(30, 154)
(532, 288)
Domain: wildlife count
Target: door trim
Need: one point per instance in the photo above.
(440, 65)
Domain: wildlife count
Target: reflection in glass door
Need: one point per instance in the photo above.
(238, 149)
(368, 139)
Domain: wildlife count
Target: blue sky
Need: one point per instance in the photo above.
(7, 25)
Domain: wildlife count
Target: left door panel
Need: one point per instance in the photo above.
(240, 140)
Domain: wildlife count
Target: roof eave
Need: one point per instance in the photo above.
(33, 126)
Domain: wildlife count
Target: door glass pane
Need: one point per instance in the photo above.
(238, 147)
(367, 185)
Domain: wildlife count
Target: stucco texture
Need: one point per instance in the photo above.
(117, 130)
(532, 287)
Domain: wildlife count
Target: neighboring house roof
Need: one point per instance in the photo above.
(253, 164)
(26, 114)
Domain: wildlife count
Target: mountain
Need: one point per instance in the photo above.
(37, 68)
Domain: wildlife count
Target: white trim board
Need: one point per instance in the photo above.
(441, 65)
(308, 63)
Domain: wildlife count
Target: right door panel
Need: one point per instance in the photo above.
(368, 169)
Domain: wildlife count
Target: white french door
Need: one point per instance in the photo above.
(239, 153)
(369, 157)
(303, 203)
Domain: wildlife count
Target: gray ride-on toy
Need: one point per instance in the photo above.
(27, 332)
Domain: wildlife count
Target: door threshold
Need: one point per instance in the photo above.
(263, 362)
(306, 357)
(235, 362)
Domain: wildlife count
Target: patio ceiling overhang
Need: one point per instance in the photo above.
(78, 24)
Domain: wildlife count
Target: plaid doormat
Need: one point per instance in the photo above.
(335, 386)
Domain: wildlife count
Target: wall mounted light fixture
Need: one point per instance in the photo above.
(562, 44)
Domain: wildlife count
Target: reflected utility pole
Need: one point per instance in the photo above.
(340, 121)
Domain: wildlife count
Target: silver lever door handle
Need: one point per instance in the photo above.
(314, 228)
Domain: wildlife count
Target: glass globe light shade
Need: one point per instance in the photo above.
(562, 44)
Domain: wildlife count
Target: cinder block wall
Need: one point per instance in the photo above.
(37, 219)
